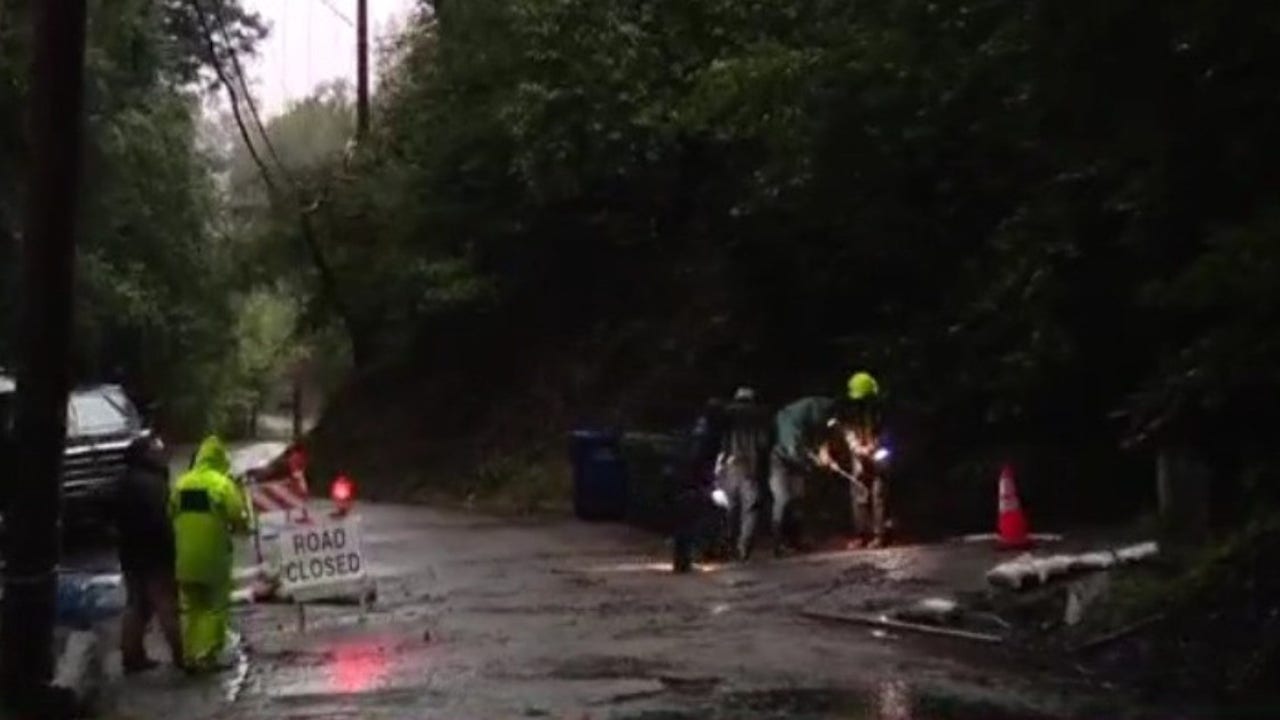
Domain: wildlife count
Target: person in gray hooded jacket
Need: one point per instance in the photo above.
(742, 465)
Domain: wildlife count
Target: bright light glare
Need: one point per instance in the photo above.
(719, 497)
(342, 490)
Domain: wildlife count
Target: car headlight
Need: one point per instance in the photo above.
(881, 455)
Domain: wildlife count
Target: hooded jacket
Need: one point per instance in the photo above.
(207, 507)
(747, 437)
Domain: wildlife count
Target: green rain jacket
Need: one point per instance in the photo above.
(207, 506)
(800, 425)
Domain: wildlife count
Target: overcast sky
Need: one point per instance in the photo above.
(311, 43)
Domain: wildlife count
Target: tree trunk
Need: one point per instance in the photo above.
(1182, 484)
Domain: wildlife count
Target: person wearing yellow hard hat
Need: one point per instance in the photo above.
(862, 409)
(860, 425)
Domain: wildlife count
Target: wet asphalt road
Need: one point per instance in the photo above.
(487, 618)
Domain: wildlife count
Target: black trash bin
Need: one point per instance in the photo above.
(599, 475)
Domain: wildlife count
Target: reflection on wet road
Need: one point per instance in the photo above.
(358, 666)
(893, 701)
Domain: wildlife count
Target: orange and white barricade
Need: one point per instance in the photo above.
(281, 496)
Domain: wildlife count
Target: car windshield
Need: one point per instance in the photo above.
(95, 414)
(116, 396)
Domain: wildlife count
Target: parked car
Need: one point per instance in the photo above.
(101, 425)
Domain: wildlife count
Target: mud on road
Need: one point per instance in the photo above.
(481, 618)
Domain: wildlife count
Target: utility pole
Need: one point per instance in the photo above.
(362, 69)
(32, 545)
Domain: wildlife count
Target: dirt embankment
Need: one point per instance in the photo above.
(1200, 635)
(1209, 633)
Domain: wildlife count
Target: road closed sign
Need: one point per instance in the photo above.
(322, 557)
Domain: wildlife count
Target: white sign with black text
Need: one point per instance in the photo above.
(324, 556)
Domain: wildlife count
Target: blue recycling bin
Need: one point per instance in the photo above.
(599, 475)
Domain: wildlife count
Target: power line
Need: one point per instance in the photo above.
(341, 15)
(328, 280)
(233, 96)
(248, 97)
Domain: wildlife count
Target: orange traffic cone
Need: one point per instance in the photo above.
(1011, 524)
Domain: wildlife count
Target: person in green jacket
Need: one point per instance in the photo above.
(207, 508)
(799, 431)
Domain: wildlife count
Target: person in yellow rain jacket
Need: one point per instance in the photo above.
(207, 508)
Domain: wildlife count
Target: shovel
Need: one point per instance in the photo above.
(859, 487)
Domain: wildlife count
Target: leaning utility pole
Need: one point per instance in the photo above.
(362, 69)
(32, 541)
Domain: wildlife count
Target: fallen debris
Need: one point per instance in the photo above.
(1117, 634)
(261, 590)
(1028, 570)
(885, 622)
(934, 611)
(1084, 593)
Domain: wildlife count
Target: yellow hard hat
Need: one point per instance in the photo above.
(862, 385)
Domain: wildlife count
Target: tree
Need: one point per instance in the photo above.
(151, 298)
(1030, 218)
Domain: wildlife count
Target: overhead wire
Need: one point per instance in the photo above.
(248, 96)
(328, 280)
(233, 97)
(341, 15)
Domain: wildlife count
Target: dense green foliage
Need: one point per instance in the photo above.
(155, 270)
(1044, 224)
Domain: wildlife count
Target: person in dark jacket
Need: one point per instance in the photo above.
(695, 483)
(742, 464)
(800, 430)
(147, 555)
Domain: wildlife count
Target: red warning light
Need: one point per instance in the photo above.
(343, 493)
